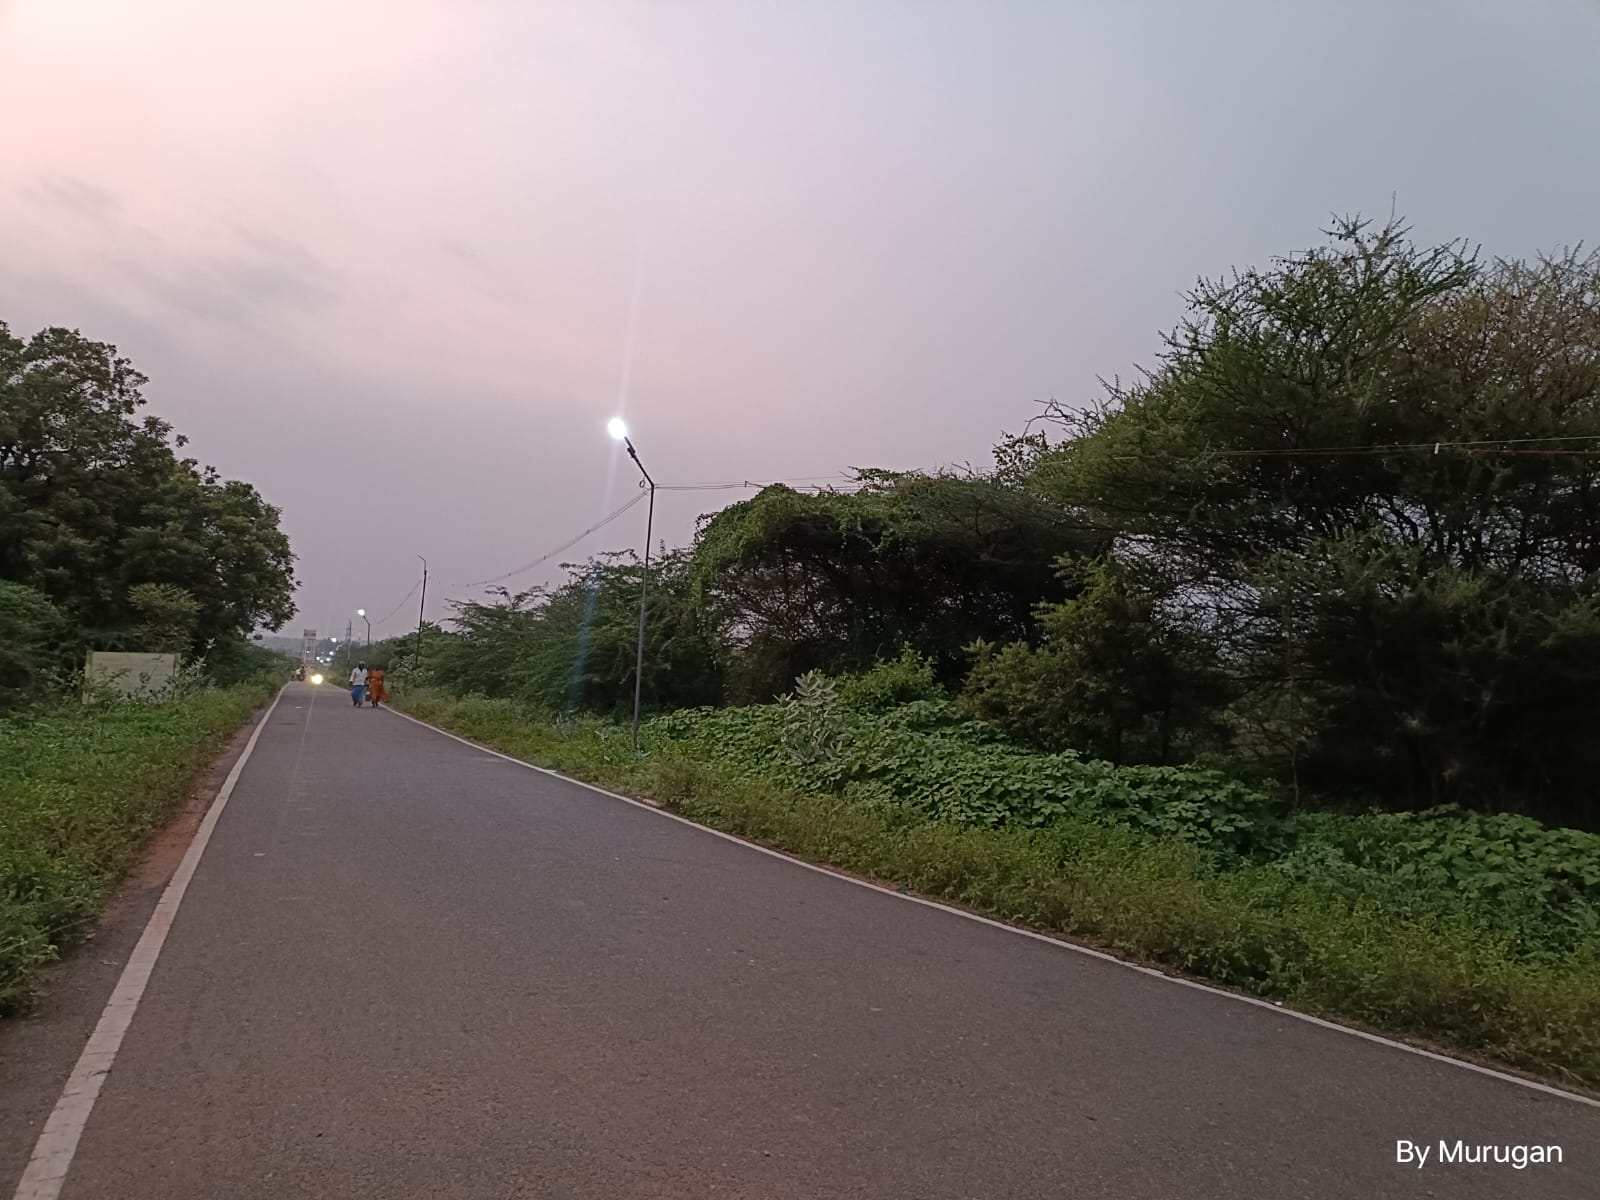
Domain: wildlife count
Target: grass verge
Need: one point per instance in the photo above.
(1439, 981)
(80, 789)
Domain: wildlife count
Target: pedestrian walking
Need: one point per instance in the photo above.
(358, 684)
(376, 692)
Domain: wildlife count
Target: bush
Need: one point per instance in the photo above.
(890, 684)
(1536, 885)
(236, 661)
(924, 758)
(1115, 675)
(31, 644)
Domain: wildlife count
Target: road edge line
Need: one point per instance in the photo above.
(53, 1153)
(1036, 935)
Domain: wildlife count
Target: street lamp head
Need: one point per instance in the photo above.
(617, 428)
(361, 612)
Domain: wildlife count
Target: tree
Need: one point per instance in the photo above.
(94, 503)
(840, 580)
(1369, 470)
(1114, 675)
(168, 615)
(574, 646)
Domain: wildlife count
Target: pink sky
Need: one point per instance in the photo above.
(379, 258)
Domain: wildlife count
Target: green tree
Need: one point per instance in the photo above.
(841, 580)
(1114, 675)
(1369, 470)
(573, 647)
(94, 502)
(167, 616)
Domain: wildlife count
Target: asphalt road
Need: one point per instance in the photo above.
(405, 968)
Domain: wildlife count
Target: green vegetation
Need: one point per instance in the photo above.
(132, 547)
(1476, 934)
(1340, 535)
(109, 541)
(80, 789)
(1280, 665)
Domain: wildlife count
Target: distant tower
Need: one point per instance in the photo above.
(308, 646)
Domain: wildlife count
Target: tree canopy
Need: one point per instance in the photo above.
(1369, 473)
(839, 580)
(100, 516)
(574, 646)
(1345, 532)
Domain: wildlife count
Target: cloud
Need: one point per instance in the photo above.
(275, 270)
(264, 277)
(488, 278)
(73, 194)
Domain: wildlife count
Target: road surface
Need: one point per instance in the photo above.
(407, 968)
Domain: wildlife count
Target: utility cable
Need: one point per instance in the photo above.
(565, 546)
(398, 607)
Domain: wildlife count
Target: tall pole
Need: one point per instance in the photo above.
(422, 607)
(644, 587)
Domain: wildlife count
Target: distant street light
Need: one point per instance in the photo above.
(362, 613)
(618, 429)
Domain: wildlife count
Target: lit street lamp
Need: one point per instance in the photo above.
(618, 429)
(367, 645)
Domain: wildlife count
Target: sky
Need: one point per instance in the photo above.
(397, 262)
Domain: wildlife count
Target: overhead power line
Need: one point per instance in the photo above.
(842, 483)
(561, 549)
(1527, 445)
(801, 483)
(399, 606)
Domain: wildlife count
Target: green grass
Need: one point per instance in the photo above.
(1432, 973)
(80, 789)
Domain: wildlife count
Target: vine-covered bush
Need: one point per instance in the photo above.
(927, 761)
(1535, 886)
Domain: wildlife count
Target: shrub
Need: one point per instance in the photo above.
(31, 633)
(925, 758)
(889, 684)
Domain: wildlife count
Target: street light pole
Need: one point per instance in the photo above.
(620, 432)
(366, 646)
(422, 607)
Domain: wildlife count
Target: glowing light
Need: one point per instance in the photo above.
(316, 679)
(617, 428)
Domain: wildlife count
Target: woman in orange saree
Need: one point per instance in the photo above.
(376, 692)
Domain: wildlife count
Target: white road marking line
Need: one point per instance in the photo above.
(58, 1142)
(1154, 973)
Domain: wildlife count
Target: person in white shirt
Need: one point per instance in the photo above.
(358, 684)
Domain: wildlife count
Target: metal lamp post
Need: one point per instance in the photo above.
(366, 647)
(422, 607)
(619, 430)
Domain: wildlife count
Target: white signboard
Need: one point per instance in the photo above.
(146, 676)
